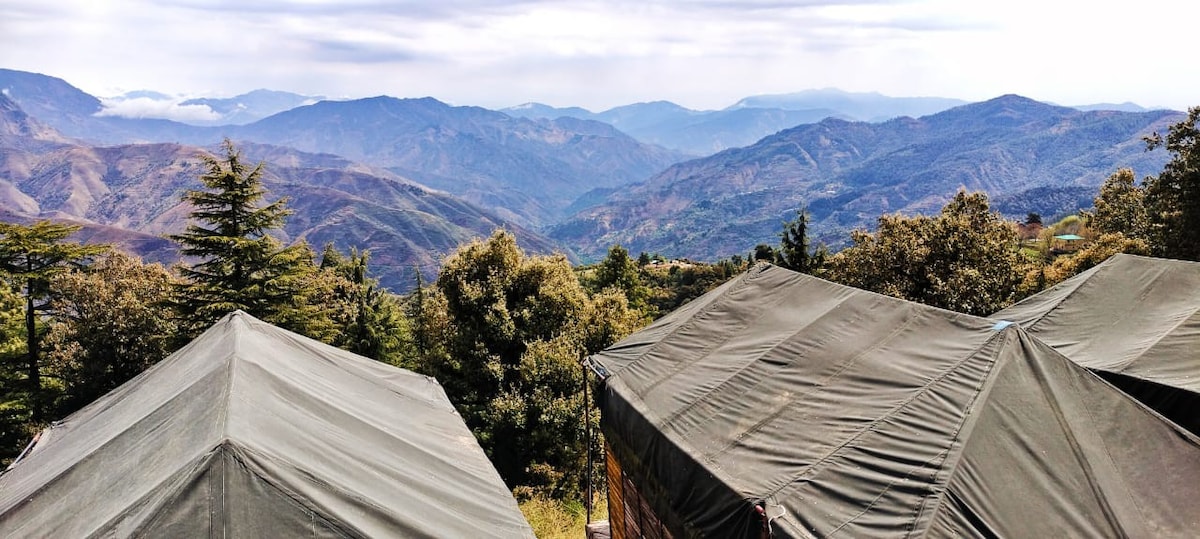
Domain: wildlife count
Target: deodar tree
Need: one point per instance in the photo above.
(240, 265)
(794, 246)
(30, 256)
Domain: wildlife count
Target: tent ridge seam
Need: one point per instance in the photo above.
(1164, 335)
(984, 388)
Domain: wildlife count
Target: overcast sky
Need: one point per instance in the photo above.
(702, 54)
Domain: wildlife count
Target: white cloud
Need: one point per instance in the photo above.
(163, 109)
(603, 53)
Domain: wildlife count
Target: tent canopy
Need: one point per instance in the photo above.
(1131, 315)
(1133, 319)
(844, 412)
(254, 431)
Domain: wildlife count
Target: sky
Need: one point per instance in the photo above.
(702, 54)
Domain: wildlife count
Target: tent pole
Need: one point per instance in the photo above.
(587, 442)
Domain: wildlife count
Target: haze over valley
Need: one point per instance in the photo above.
(411, 178)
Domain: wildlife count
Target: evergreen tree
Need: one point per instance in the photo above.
(16, 427)
(794, 247)
(763, 252)
(29, 257)
(619, 271)
(1173, 197)
(241, 265)
(371, 321)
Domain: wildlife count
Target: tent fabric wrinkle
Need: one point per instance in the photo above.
(254, 431)
(859, 415)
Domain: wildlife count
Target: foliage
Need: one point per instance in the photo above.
(674, 284)
(505, 333)
(16, 426)
(241, 265)
(795, 252)
(30, 256)
(964, 259)
(1173, 197)
(371, 321)
(1039, 277)
(109, 325)
(622, 273)
(561, 519)
(1120, 207)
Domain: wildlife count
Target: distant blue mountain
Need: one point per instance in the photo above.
(538, 110)
(863, 106)
(145, 94)
(253, 106)
(49, 99)
(1123, 107)
(672, 126)
(531, 170)
(706, 132)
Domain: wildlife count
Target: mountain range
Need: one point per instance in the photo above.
(745, 122)
(528, 171)
(410, 179)
(130, 195)
(1030, 156)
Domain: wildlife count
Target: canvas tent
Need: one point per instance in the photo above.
(829, 411)
(1132, 319)
(253, 431)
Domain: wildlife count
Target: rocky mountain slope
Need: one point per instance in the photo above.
(527, 171)
(849, 173)
(130, 195)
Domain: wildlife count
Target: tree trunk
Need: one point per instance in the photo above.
(31, 345)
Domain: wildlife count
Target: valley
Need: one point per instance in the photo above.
(410, 179)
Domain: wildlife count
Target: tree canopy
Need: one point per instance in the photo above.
(241, 266)
(30, 256)
(1173, 197)
(964, 259)
(505, 333)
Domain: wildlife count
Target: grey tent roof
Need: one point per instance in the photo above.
(847, 413)
(254, 431)
(1132, 315)
(1135, 320)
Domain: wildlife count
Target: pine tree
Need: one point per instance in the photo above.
(371, 320)
(794, 246)
(30, 256)
(241, 265)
